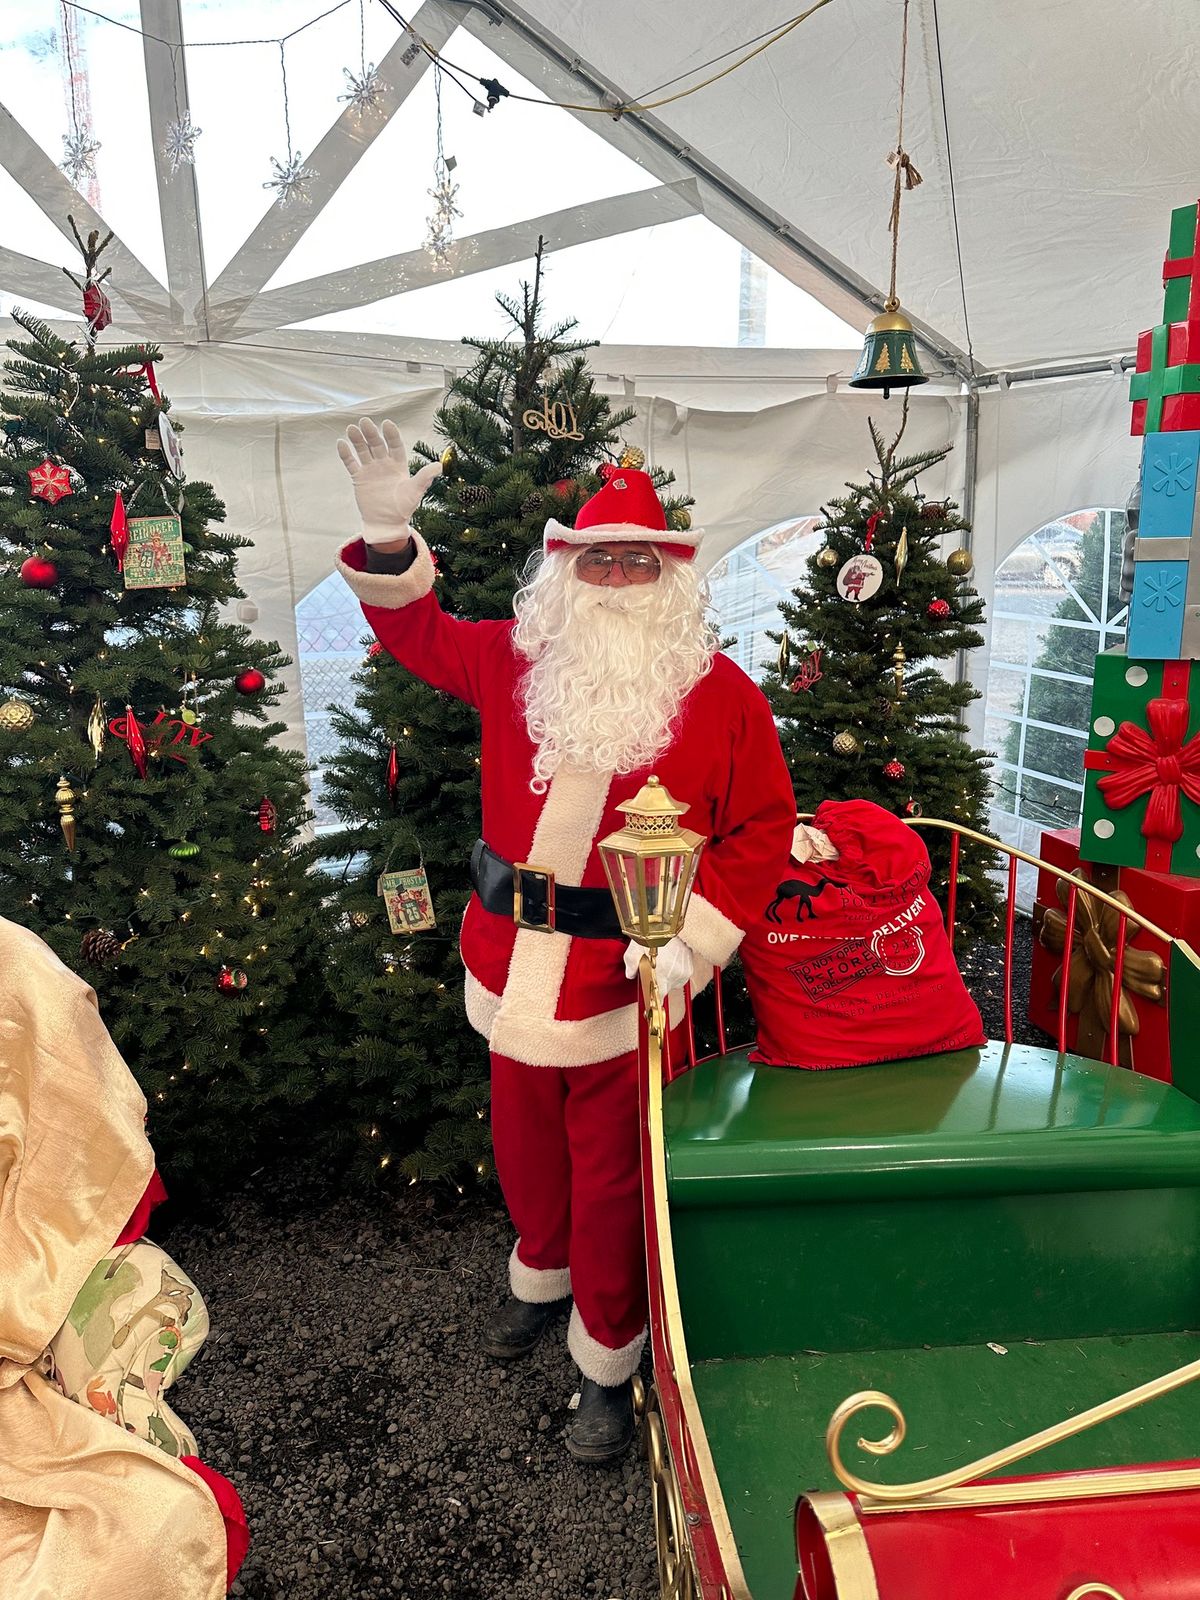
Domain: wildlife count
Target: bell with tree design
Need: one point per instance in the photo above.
(889, 359)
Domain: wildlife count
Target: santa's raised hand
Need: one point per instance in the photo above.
(386, 492)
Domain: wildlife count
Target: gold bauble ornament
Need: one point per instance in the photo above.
(680, 519)
(16, 716)
(633, 458)
(827, 557)
(449, 459)
(845, 744)
(960, 562)
(186, 714)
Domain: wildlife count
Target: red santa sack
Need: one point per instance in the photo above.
(850, 962)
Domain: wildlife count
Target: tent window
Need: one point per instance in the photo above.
(1056, 606)
(749, 583)
(331, 632)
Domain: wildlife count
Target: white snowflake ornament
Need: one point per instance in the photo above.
(291, 179)
(79, 157)
(363, 89)
(179, 146)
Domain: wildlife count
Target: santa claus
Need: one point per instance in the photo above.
(608, 672)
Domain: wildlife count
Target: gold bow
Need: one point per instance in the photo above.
(1090, 971)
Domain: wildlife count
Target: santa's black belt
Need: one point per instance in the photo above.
(530, 897)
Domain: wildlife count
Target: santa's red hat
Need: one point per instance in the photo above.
(625, 509)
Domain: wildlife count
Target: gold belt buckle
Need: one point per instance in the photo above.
(521, 871)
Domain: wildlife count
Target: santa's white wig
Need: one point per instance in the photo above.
(608, 668)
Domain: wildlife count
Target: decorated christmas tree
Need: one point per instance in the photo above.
(526, 431)
(148, 818)
(864, 711)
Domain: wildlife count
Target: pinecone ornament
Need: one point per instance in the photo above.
(531, 504)
(99, 947)
(475, 496)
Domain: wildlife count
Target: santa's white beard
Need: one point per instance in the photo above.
(609, 668)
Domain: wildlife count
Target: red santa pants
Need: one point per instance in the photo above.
(567, 1144)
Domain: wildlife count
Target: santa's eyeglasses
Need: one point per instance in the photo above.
(593, 566)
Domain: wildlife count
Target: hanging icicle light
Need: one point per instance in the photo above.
(889, 359)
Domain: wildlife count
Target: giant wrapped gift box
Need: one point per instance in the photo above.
(1181, 269)
(1164, 611)
(1158, 1020)
(1141, 798)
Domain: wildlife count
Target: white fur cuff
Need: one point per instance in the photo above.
(537, 1286)
(391, 591)
(597, 1361)
(710, 933)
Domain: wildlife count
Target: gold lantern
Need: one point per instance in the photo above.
(651, 865)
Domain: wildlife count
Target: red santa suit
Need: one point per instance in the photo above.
(558, 1012)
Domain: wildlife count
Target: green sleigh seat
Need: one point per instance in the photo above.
(991, 1194)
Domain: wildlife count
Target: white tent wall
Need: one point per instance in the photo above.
(260, 424)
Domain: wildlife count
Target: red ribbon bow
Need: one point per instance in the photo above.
(1157, 762)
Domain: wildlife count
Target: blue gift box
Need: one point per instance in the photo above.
(1164, 611)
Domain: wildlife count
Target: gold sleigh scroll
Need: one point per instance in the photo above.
(557, 420)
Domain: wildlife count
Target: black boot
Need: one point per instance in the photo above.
(602, 1427)
(515, 1329)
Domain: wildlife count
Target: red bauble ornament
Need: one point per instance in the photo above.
(50, 482)
(938, 609)
(250, 682)
(232, 980)
(894, 769)
(565, 487)
(373, 649)
(912, 808)
(38, 573)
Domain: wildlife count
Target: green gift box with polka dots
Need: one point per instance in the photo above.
(1141, 796)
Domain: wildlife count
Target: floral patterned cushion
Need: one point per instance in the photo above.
(136, 1323)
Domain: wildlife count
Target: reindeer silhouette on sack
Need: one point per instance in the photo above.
(803, 894)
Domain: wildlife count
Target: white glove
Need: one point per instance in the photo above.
(386, 492)
(674, 965)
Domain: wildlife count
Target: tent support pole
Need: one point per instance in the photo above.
(970, 477)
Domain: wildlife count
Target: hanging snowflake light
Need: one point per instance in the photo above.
(443, 194)
(79, 156)
(179, 146)
(291, 179)
(364, 89)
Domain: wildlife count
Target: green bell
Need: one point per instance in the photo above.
(889, 359)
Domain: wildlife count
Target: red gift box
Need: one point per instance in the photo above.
(1172, 902)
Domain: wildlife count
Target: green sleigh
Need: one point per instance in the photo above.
(985, 1250)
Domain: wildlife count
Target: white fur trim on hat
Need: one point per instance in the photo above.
(537, 1286)
(621, 533)
(598, 1361)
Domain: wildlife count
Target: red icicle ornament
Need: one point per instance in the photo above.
(267, 815)
(135, 738)
(393, 773)
(118, 530)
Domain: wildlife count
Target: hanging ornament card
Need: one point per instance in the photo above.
(408, 900)
(154, 554)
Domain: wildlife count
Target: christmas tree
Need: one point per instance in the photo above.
(148, 819)
(860, 716)
(526, 431)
